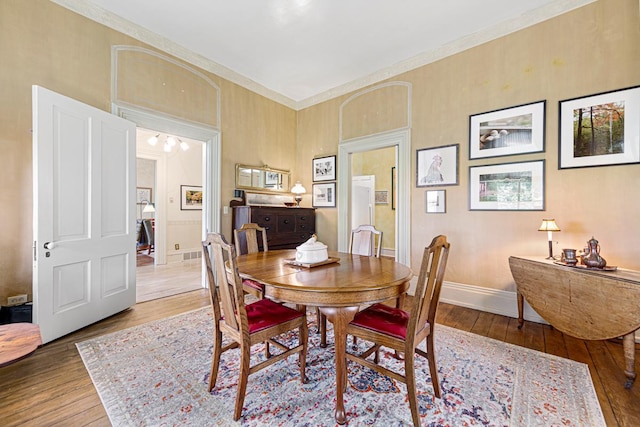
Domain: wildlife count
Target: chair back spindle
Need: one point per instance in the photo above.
(248, 233)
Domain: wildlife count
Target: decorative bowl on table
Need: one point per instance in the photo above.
(311, 251)
(289, 204)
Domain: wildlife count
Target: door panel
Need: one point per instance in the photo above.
(84, 214)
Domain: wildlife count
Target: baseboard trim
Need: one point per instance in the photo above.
(494, 301)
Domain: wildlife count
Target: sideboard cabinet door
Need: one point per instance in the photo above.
(287, 228)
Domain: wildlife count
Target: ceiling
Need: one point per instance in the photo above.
(301, 52)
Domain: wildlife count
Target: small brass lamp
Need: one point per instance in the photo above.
(549, 225)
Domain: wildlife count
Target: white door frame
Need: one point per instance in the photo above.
(401, 139)
(210, 137)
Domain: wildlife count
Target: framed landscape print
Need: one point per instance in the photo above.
(600, 130)
(324, 169)
(190, 198)
(515, 130)
(437, 166)
(507, 187)
(324, 195)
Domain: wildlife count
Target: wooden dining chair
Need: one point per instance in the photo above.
(363, 241)
(403, 331)
(247, 237)
(246, 324)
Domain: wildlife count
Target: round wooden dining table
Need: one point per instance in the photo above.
(338, 288)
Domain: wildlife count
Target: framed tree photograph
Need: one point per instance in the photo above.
(436, 201)
(190, 198)
(324, 169)
(515, 130)
(600, 130)
(507, 187)
(437, 166)
(324, 195)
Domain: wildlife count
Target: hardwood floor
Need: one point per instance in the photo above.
(159, 281)
(52, 387)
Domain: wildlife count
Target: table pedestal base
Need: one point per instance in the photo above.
(340, 317)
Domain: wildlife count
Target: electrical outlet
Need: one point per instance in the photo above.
(177, 246)
(17, 299)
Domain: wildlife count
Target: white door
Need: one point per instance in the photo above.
(362, 203)
(83, 214)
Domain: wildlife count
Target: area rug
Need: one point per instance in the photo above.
(156, 375)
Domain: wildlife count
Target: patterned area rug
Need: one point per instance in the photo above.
(156, 375)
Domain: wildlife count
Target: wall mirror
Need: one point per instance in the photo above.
(262, 178)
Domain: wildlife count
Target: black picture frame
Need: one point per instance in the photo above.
(437, 166)
(518, 186)
(324, 195)
(508, 131)
(611, 132)
(324, 169)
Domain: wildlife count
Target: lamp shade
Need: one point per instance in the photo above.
(549, 225)
(298, 188)
(148, 208)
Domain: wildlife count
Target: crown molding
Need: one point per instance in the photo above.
(124, 26)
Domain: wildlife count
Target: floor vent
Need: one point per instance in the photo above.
(191, 255)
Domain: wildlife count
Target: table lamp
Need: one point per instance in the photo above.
(298, 190)
(549, 225)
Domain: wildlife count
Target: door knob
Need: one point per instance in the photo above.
(49, 245)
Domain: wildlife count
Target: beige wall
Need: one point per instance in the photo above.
(45, 44)
(593, 49)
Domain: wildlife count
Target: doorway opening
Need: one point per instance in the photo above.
(373, 197)
(400, 142)
(166, 163)
(209, 138)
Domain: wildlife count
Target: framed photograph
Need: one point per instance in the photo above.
(600, 130)
(324, 195)
(382, 197)
(394, 190)
(437, 166)
(515, 130)
(507, 187)
(143, 194)
(436, 201)
(190, 198)
(324, 169)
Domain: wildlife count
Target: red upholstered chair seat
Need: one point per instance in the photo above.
(265, 313)
(253, 284)
(384, 319)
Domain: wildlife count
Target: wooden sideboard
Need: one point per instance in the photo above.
(584, 303)
(286, 227)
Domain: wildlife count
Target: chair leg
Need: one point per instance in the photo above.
(323, 329)
(409, 372)
(433, 369)
(303, 334)
(245, 351)
(215, 359)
